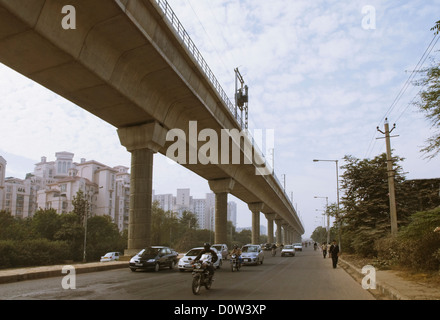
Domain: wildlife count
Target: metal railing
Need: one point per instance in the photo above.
(178, 27)
(187, 41)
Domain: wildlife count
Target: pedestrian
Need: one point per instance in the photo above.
(324, 249)
(334, 251)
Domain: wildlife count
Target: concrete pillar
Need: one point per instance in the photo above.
(256, 208)
(278, 223)
(285, 233)
(142, 142)
(270, 218)
(221, 188)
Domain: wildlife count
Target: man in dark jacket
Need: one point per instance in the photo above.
(207, 249)
(334, 252)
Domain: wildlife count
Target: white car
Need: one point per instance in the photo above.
(298, 246)
(186, 262)
(288, 250)
(223, 249)
(110, 256)
(252, 254)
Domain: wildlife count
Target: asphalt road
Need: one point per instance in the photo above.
(307, 276)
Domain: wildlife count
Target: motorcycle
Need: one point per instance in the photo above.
(235, 263)
(201, 276)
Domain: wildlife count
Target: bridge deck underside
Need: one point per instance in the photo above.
(126, 66)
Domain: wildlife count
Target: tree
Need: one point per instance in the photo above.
(103, 236)
(80, 206)
(436, 28)
(366, 202)
(72, 232)
(430, 105)
(46, 223)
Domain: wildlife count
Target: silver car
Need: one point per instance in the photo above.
(252, 254)
(288, 250)
(223, 249)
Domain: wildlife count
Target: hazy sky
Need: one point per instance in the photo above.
(323, 74)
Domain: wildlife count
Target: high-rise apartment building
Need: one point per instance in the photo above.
(204, 209)
(54, 184)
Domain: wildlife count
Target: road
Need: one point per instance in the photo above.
(307, 276)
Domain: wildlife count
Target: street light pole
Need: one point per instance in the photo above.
(328, 217)
(337, 198)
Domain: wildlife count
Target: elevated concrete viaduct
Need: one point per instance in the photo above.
(130, 63)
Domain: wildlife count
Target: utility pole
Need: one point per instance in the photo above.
(392, 195)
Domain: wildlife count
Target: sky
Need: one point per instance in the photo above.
(322, 74)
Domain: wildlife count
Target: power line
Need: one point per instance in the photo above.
(402, 91)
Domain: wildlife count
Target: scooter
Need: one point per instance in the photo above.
(235, 263)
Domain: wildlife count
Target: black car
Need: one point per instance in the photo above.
(268, 246)
(155, 258)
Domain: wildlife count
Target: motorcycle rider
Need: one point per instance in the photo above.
(206, 250)
(237, 252)
(274, 250)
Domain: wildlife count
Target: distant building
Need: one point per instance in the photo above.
(54, 184)
(204, 209)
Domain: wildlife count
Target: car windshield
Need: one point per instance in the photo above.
(108, 255)
(288, 247)
(298, 244)
(250, 249)
(151, 251)
(193, 252)
(218, 248)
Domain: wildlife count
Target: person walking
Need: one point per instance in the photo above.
(334, 252)
(324, 249)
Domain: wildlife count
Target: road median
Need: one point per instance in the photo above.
(32, 273)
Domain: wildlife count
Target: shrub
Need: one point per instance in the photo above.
(32, 253)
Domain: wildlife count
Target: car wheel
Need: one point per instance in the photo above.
(172, 264)
(133, 269)
(156, 267)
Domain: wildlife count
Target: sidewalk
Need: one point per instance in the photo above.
(31, 273)
(390, 286)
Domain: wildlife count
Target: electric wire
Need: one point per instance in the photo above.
(402, 91)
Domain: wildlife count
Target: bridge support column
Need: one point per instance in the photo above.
(270, 218)
(285, 233)
(142, 142)
(256, 208)
(278, 223)
(221, 188)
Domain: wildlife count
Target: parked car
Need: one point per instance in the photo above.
(186, 262)
(110, 256)
(252, 254)
(298, 246)
(155, 257)
(288, 250)
(223, 249)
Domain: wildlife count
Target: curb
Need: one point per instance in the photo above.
(55, 271)
(381, 288)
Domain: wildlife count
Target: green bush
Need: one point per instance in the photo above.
(36, 252)
(416, 246)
